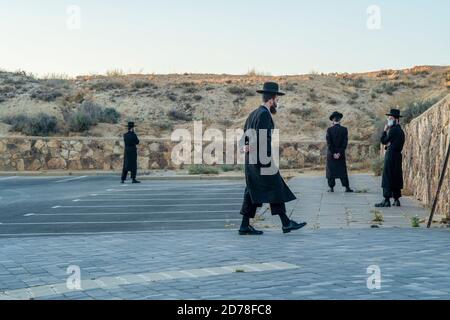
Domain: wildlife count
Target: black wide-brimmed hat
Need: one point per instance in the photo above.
(336, 115)
(394, 113)
(131, 125)
(271, 88)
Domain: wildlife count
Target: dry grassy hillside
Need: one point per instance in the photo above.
(160, 103)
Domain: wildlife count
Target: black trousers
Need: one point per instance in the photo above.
(125, 173)
(249, 208)
(389, 193)
(345, 182)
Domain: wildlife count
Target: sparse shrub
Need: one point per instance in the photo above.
(190, 90)
(163, 125)
(387, 87)
(202, 169)
(45, 94)
(415, 109)
(312, 96)
(378, 216)
(304, 113)
(80, 122)
(354, 96)
(39, 125)
(90, 114)
(239, 91)
(322, 124)
(377, 166)
(106, 85)
(290, 86)
(227, 167)
(415, 222)
(110, 115)
(172, 96)
(178, 115)
(77, 97)
(358, 82)
(141, 84)
(332, 101)
(376, 136)
(197, 97)
(115, 73)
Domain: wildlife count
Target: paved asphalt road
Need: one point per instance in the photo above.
(66, 205)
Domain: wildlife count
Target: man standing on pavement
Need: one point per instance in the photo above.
(337, 140)
(130, 157)
(262, 187)
(394, 139)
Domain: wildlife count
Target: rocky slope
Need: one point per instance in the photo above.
(160, 103)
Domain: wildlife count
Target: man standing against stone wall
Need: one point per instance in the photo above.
(130, 157)
(394, 139)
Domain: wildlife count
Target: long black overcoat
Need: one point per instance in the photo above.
(130, 156)
(261, 187)
(394, 140)
(337, 141)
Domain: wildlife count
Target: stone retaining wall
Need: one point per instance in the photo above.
(425, 149)
(38, 153)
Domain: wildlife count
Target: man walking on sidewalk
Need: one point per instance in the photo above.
(261, 186)
(337, 140)
(130, 157)
(394, 139)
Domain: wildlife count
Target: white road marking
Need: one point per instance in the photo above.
(8, 178)
(165, 231)
(141, 199)
(29, 214)
(119, 213)
(151, 205)
(114, 222)
(71, 179)
(167, 189)
(167, 194)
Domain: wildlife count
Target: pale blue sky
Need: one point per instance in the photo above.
(222, 36)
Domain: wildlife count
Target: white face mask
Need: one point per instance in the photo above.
(391, 122)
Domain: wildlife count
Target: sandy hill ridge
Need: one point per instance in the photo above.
(161, 103)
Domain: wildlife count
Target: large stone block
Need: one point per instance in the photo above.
(427, 140)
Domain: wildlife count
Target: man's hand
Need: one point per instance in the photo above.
(337, 156)
(386, 127)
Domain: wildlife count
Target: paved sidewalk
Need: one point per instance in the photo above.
(314, 264)
(331, 259)
(346, 210)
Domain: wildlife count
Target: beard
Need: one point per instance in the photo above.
(273, 109)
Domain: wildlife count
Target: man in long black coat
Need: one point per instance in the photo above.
(130, 157)
(263, 184)
(394, 139)
(337, 140)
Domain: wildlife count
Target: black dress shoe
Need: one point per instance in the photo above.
(397, 203)
(250, 231)
(331, 190)
(384, 204)
(294, 226)
(136, 181)
(348, 190)
(122, 182)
